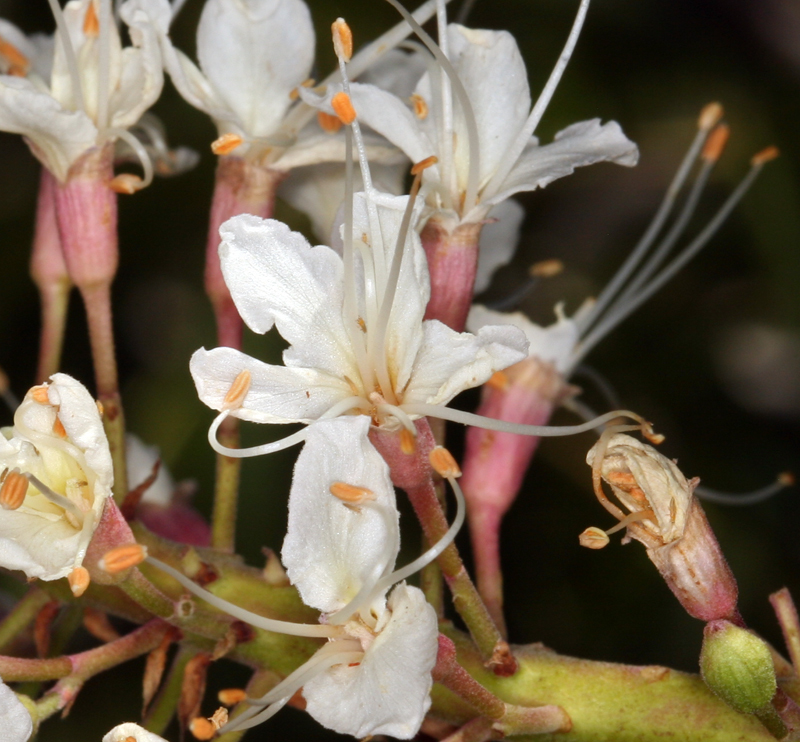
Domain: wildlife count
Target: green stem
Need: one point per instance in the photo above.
(226, 489)
(22, 615)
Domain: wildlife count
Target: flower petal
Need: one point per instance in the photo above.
(332, 550)
(276, 277)
(450, 362)
(129, 730)
(498, 241)
(277, 394)
(17, 722)
(389, 691)
(141, 459)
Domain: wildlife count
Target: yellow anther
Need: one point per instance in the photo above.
(418, 167)
(498, 380)
(91, 23)
(343, 108)
(122, 558)
(716, 142)
(709, 116)
(594, 538)
(238, 391)
(350, 494)
(444, 464)
(14, 61)
(78, 581)
(226, 144)
(546, 268)
(231, 696)
(99, 407)
(39, 394)
(126, 183)
(342, 39)
(420, 106)
(770, 153)
(408, 442)
(328, 123)
(59, 429)
(294, 94)
(13, 491)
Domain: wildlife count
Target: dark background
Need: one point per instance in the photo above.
(713, 360)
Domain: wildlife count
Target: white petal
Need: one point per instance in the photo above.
(277, 394)
(389, 691)
(58, 137)
(450, 362)
(332, 550)
(554, 343)
(141, 459)
(498, 241)
(254, 53)
(396, 71)
(17, 722)
(276, 277)
(584, 143)
(123, 732)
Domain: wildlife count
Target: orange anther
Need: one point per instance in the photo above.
(498, 380)
(59, 429)
(238, 391)
(546, 268)
(418, 167)
(126, 183)
(99, 407)
(593, 538)
(709, 116)
(39, 394)
(408, 442)
(420, 106)
(201, 728)
(13, 491)
(78, 581)
(231, 696)
(770, 153)
(786, 478)
(295, 93)
(122, 558)
(130, 739)
(343, 107)
(328, 123)
(15, 62)
(226, 144)
(444, 464)
(350, 493)
(716, 142)
(342, 39)
(91, 23)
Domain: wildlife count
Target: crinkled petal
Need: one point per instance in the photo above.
(57, 137)
(254, 53)
(277, 394)
(276, 277)
(124, 732)
(332, 550)
(584, 143)
(554, 343)
(498, 241)
(450, 362)
(389, 691)
(17, 722)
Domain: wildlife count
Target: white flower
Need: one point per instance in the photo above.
(94, 91)
(129, 730)
(17, 722)
(141, 459)
(354, 325)
(58, 444)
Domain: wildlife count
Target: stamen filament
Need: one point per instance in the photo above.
(262, 622)
(748, 498)
(104, 64)
(69, 53)
(139, 150)
(446, 119)
(56, 499)
(632, 518)
(597, 468)
(400, 415)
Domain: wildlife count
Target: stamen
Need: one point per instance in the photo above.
(40, 394)
(62, 502)
(78, 581)
(243, 453)
(91, 24)
(632, 518)
(58, 428)
(594, 538)
(205, 728)
(238, 391)
(784, 480)
(400, 414)
(225, 144)
(343, 107)
(15, 62)
(69, 53)
(139, 150)
(716, 142)
(104, 64)
(408, 442)
(260, 622)
(13, 491)
(122, 558)
(328, 123)
(231, 696)
(443, 463)
(126, 184)
(498, 380)
(418, 167)
(350, 494)
(342, 39)
(420, 106)
(710, 116)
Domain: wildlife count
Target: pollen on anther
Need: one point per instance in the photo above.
(408, 442)
(443, 463)
(91, 23)
(498, 380)
(328, 123)
(13, 491)
(201, 728)
(767, 154)
(342, 39)
(418, 167)
(594, 538)
(16, 63)
(39, 394)
(351, 494)
(709, 116)
(343, 107)
(420, 106)
(126, 183)
(123, 557)
(59, 429)
(79, 581)
(226, 144)
(238, 391)
(231, 696)
(716, 142)
(546, 268)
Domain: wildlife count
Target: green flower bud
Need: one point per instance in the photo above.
(737, 666)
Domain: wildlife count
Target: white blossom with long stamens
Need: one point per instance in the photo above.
(95, 90)
(59, 445)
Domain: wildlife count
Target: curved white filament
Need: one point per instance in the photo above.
(138, 148)
(55, 498)
(69, 53)
(243, 453)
